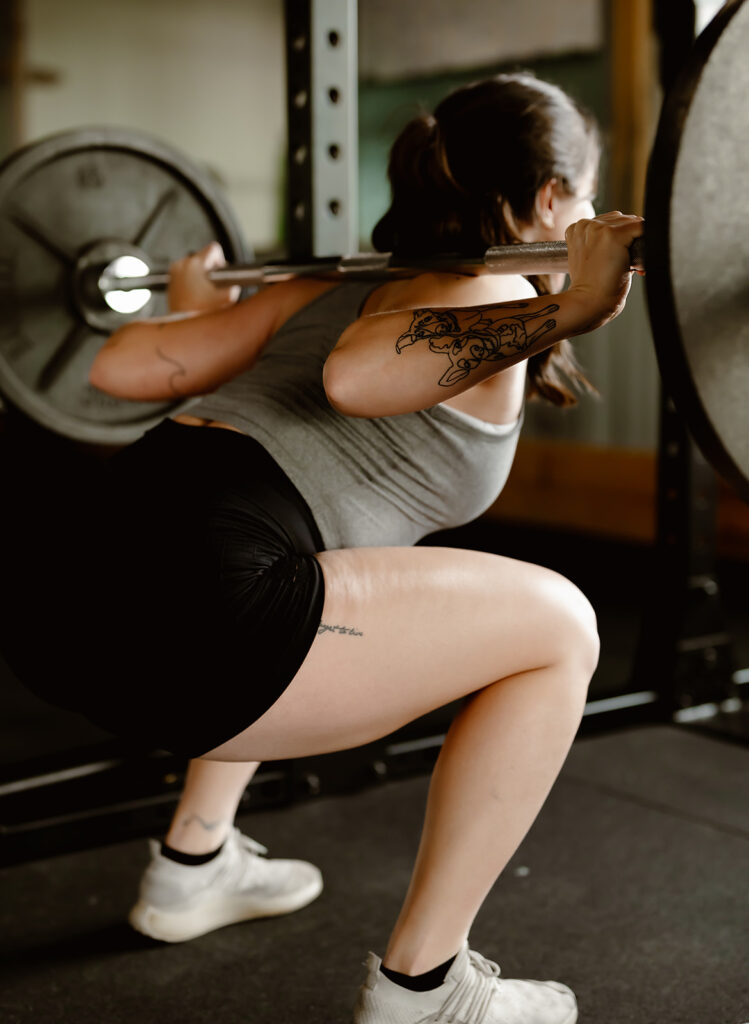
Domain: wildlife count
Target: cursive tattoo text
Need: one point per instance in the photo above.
(346, 630)
(178, 372)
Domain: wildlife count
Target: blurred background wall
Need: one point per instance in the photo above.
(208, 78)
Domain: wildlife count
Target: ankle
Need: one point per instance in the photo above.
(417, 960)
(196, 838)
(424, 982)
(189, 859)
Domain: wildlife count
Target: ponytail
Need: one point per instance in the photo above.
(419, 218)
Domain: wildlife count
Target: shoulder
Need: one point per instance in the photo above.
(442, 289)
(282, 300)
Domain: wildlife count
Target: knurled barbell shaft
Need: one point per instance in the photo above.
(527, 258)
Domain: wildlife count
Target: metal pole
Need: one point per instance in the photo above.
(322, 85)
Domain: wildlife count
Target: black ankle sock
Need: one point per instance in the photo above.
(420, 982)
(189, 858)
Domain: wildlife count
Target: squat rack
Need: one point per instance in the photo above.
(321, 97)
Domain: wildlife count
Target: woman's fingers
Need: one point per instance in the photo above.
(607, 233)
(599, 260)
(210, 256)
(190, 288)
(623, 223)
(213, 255)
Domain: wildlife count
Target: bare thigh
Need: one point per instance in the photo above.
(407, 630)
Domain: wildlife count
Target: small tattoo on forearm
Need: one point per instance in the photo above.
(209, 826)
(473, 336)
(179, 372)
(347, 630)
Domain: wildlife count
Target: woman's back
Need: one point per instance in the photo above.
(384, 480)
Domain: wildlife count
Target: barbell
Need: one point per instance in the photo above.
(91, 219)
(527, 258)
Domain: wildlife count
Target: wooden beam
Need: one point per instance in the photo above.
(11, 79)
(634, 100)
(608, 492)
(9, 73)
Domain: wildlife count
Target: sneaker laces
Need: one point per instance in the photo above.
(250, 844)
(238, 869)
(471, 998)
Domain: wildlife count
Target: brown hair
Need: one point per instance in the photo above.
(489, 145)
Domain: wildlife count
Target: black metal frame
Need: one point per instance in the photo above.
(685, 650)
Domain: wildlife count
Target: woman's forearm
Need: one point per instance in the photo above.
(174, 357)
(399, 362)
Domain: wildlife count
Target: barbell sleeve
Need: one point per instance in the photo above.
(545, 258)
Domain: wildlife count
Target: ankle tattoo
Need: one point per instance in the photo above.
(209, 826)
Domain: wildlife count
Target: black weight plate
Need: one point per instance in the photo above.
(698, 244)
(58, 198)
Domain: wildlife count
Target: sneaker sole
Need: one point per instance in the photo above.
(179, 926)
(370, 1014)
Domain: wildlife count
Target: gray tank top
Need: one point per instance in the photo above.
(368, 482)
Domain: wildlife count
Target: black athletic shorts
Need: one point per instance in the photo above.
(174, 601)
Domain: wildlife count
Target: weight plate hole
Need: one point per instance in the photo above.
(130, 301)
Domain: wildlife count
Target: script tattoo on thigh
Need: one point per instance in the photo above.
(178, 372)
(473, 336)
(344, 630)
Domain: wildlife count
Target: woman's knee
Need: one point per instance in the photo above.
(579, 642)
(566, 624)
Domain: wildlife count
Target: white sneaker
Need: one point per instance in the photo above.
(180, 901)
(472, 993)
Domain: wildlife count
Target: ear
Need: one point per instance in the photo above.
(510, 219)
(545, 203)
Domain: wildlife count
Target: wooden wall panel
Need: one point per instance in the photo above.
(605, 491)
(11, 75)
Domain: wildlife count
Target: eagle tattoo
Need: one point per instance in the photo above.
(474, 336)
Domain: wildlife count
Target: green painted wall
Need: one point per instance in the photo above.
(384, 108)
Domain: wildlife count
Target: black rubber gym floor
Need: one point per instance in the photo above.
(632, 886)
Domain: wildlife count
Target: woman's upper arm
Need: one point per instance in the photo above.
(155, 360)
(365, 374)
(441, 289)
